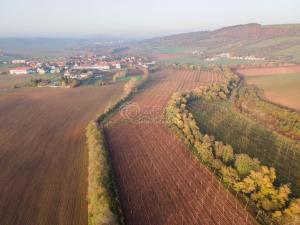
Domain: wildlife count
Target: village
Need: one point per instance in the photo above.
(226, 55)
(83, 69)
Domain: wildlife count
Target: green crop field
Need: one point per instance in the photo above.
(197, 61)
(283, 89)
(247, 136)
(293, 52)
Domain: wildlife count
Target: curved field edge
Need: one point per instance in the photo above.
(283, 89)
(103, 201)
(255, 182)
(251, 98)
(255, 139)
(250, 101)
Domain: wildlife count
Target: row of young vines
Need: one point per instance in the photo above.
(247, 176)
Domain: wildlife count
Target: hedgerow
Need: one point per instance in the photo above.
(102, 196)
(240, 172)
(102, 207)
(286, 121)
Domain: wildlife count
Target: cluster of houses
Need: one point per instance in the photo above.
(37, 67)
(92, 66)
(79, 67)
(228, 56)
(89, 70)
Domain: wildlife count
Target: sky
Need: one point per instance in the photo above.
(136, 18)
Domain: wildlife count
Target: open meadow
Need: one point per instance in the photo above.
(43, 155)
(159, 181)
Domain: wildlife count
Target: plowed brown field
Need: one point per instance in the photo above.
(159, 181)
(43, 157)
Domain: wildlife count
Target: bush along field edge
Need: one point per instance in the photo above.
(252, 182)
(249, 100)
(102, 195)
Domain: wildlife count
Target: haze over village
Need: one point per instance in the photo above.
(149, 112)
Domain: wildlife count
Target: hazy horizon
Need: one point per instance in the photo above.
(135, 19)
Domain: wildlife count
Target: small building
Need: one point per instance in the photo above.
(115, 64)
(149, 65)
(83, 76)
(83, 67)
(20, 70)
(41, 71)
(55, 70)
(102, 66)
(18, 61)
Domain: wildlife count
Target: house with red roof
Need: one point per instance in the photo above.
(115, 64)
(20, 70)
(102, 66)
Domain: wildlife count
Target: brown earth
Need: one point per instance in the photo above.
(43, 157)
(7, 81)
(158, 179)
(269, 71)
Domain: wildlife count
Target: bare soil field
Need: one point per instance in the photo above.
(280, 85)
(43, 157)
(8, 81)
(282, 89)
(269, 71)
(158, 179)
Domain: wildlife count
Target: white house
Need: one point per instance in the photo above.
(41, 71)
(116, 65)
(102, 66)
(19, 71)
(18, 61)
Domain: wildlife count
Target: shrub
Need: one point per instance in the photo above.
(218, 147)
(204, 152)
(224, 152)
(229, 175)
(217, 164)
(260, 186)
(244, 164)
(228, 154)
(290, 215)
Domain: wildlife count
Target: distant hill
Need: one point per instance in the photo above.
(272, 41)
(53, 46)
